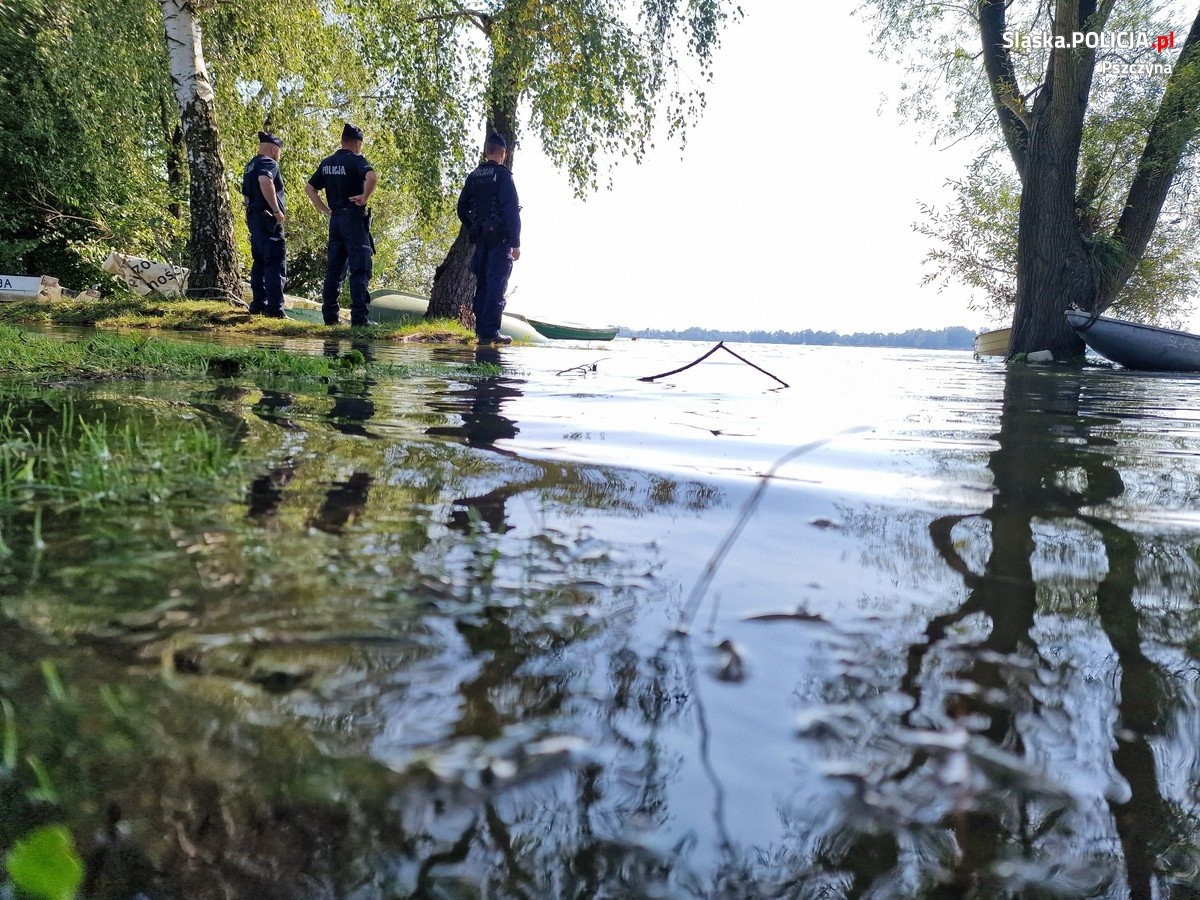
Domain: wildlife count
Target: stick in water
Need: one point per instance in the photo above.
(720, 346)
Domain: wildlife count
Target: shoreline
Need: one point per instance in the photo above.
(216, 317)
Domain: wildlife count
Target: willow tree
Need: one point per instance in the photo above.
(1048, 76)
(211, 253)
(79, 129)
(588, 78)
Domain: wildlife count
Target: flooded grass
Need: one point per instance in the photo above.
(131, 312)
(100, 355)
(73, 462)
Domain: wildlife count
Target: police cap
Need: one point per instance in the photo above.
(496, 140)
(352, 133)
(265, 137)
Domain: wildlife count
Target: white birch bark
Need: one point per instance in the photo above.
(214, 262)
(185, 48)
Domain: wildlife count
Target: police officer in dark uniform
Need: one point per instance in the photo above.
(489, 209)
(348, 181)
(262, 191)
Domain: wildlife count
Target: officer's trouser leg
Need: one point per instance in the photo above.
(480, 273)
(335, 273)
(358, 252)
(274, 272)
(492, 268)
(258, 253)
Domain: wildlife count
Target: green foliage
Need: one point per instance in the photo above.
(90, 144)
(44, 864)
(295, 69)
(975, 239)
(79, 119)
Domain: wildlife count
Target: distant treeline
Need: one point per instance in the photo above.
(957, 338)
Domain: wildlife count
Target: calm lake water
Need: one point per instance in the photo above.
(914, 625)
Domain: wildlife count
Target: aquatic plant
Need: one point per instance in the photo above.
(122, 356)
(41, 862)
(34, 356)
(80, 463)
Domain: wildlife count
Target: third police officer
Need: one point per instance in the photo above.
(488, 208)
(262, 192)
(348, 181)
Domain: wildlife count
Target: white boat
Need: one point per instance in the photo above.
(397, 307)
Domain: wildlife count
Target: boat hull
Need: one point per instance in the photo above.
(303, 310)
(395, 307)
(993, 343)
(1135, 346)
(570, 331)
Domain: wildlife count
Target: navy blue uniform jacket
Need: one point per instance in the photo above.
(489, 198)
(342, 176)
(252, 191)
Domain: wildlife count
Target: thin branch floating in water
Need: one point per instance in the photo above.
(582, 367)
(719, 346)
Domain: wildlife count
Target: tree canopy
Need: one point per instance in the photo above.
(91, 139)
(1086, 123)
(80, 131)
(590, 78)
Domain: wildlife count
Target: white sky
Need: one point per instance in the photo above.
(791, 207)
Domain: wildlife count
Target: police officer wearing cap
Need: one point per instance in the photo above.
(348, 181)
(262, 191)
(489, 209)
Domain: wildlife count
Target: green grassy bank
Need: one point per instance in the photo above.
(128, 311)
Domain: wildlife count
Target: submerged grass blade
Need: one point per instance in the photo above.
(120, 356)
(84, 463)
(10, 736)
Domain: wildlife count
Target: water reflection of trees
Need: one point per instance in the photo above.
(477, 648)
(979, 755)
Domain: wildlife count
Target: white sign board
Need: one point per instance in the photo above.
(145, 276)
(20, 287)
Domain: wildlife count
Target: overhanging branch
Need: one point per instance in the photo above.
(1176, 123)
(477, 17)
(1002, 79)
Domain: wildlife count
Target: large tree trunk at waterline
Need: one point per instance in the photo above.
(454, 284)
(210, 243)
(1053, 271)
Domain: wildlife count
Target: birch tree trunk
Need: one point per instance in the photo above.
(210, 240)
